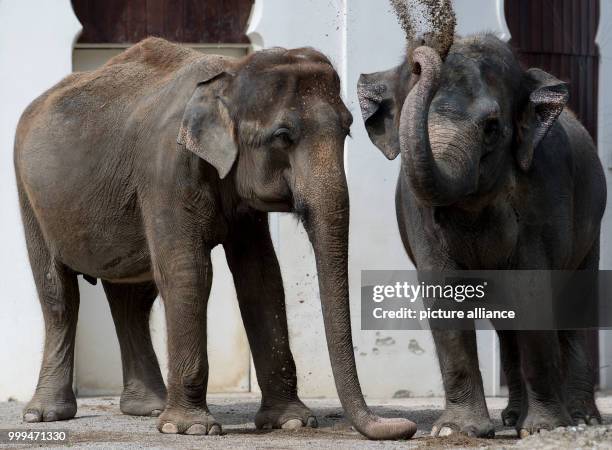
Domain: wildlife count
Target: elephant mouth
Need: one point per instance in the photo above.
(271, 206)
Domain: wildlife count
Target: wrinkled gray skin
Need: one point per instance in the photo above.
(132, 173)
(496, 174)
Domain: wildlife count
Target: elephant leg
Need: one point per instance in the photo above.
(261, 296)
(580, 377)
(466, 408)
(184, 276)
(510, 359)
(541, 369)
(144, 392)
(58, 293)
(580, 385)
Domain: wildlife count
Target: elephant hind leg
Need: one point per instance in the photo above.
(58, 294)
(144, 392)
(580, 376)
(580, 384)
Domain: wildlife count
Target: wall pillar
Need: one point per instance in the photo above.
(604, 145)
(36, 39)
(349, 32)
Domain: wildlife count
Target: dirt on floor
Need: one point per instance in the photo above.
(100, 425)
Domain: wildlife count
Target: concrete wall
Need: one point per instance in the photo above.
(360, 37)
(36, 39)
(604, 133)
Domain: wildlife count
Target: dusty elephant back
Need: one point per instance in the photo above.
(116, 88)
(100, 113)
(85, 151)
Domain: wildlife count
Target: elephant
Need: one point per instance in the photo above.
(133, 172)
(496, 174)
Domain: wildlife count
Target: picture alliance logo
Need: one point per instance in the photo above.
(412, 292)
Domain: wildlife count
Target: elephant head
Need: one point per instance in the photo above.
(274, 126)
(463, 121)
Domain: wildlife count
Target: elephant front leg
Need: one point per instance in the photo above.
(466, 408)
(184, 278)
(544, 408)
(510, 359)
(259, 287)
(580, 376)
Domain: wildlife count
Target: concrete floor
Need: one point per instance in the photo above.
(100, 425)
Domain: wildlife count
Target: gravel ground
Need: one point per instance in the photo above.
(100, 425)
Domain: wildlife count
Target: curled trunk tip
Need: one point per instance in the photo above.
(328, 233)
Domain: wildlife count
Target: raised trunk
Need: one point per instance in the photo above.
(435, 181)
(328, 232)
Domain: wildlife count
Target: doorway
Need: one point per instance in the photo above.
(109, 27)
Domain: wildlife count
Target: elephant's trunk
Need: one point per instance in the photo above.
(444, 175)
(327, 228)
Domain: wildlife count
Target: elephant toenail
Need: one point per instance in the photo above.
(169, 428)
(312, 422)
(593, 421)
(434, 431)
(31, 417)
(266, 426)
(523, 433)
(50, 417)
(215, 430)
(156, 412)
(197, 428)
(292, 424)
(446, 431)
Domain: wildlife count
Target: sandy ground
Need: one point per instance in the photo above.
(100, 425)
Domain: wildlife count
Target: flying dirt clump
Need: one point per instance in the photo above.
(427, 22)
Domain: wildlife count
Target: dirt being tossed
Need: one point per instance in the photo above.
(427, 22)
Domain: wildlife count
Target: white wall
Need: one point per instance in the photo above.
(604, 133)
(36, 38)
(318, 24)
(360, 36)
(390, 362)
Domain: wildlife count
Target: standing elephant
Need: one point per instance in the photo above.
(132, 173)
(495, 173)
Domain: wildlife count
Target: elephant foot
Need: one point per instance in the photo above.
(543, 418)
(511, 413)
(181, 421)
(60, 405)
(140, 400)
(465, 421)
(582, 408)
(291, 415)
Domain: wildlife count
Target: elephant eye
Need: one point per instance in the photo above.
(282, 137)
(492, 130)
(281, 132)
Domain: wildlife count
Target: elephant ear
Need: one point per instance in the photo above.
(547, 98)
(378, 93)
(207, 128)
